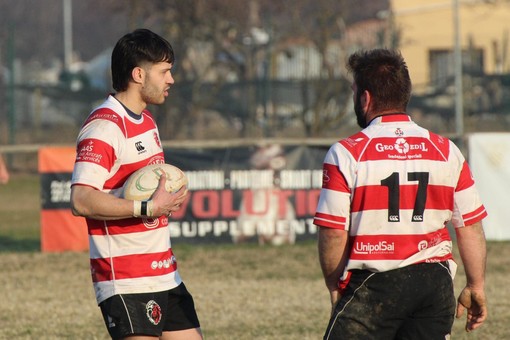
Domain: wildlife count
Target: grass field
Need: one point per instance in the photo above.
(241, 292)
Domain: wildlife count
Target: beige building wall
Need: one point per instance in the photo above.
(427, 25)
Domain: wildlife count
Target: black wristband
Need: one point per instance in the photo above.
(143, 210)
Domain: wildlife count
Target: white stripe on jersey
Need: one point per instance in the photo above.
(105, 289)
(103, 246)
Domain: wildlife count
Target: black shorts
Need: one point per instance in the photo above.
(414, 302)
(149, 313)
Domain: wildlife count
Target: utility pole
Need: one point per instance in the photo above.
(11, 113)
(67, 6)
(459, 107)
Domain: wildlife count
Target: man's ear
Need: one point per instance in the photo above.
(366, 100)
(138, 75)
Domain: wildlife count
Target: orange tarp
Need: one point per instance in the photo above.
(60, 230)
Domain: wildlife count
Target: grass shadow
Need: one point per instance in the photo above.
(13, 245)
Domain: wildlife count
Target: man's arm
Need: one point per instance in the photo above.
(333, 253)
(89, 202)
(4, 173)
(472, 249)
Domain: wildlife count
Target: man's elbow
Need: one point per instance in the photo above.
(78, 199)
(77, 210)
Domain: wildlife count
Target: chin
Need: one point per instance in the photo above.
(156, 101)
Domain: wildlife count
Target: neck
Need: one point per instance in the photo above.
(130, 101)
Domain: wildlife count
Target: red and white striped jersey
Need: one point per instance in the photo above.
(394, 186)
(131, 255)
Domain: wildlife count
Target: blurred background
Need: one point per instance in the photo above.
(251, 69)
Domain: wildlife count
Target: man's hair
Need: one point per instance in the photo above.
(384, 74)
(135, 49)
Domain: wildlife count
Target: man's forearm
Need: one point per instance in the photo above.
(332, 246)
(472, 248)
(91, 203)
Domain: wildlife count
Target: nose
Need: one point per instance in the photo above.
(170, 78)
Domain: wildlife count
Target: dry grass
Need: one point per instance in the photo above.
(245, 292)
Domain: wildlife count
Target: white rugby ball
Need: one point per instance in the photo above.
(142, 183)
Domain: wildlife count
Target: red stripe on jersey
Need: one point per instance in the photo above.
(333, 179)
(107, 114)
(401, 148)
(125, 226)
(394, 247)
(441, 143)
(398, 117)
(330, 221)
(133, 266)
(95, 151)
(355, 144)
(375, 197)
(144, 125)
(475, 216)
(465, 178)
(125, 170)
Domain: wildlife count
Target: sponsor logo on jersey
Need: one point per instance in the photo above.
(150, 223)
(325, 176)
(139, 147)
(156, 139)
(382, 247)
(106, 116)
(401, 147)
(156, 160)
(86, 153)
(153, 312)
(352, 142)
(167, 263)
(422, 245)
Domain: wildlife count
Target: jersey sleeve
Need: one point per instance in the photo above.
(333, 207)
(468, 207)
(98, 146)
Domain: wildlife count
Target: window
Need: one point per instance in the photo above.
(442, 65)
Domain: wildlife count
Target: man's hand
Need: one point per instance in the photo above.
(476, 304)
(164, 202)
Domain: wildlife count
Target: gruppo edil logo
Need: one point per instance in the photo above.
(401, 145)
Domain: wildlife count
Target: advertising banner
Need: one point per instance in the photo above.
(60, 230)
(489, 160)
(264, 194)
(243, 194)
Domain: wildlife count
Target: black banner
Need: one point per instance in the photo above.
(243, 194)
(266, 194)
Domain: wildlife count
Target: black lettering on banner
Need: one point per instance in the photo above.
(56, 190)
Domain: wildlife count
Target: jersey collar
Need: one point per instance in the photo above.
(391, 118)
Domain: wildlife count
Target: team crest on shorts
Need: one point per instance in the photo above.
(153, 312)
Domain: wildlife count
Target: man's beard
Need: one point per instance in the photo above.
(360, 114)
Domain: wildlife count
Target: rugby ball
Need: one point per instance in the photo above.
(142, 183)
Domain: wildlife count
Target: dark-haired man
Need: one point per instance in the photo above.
(388, 193)
(134, 270)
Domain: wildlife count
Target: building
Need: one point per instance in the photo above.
(427, 34)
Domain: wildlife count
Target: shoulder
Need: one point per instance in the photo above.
(444, 145)
(109, 115)
(355, 144)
